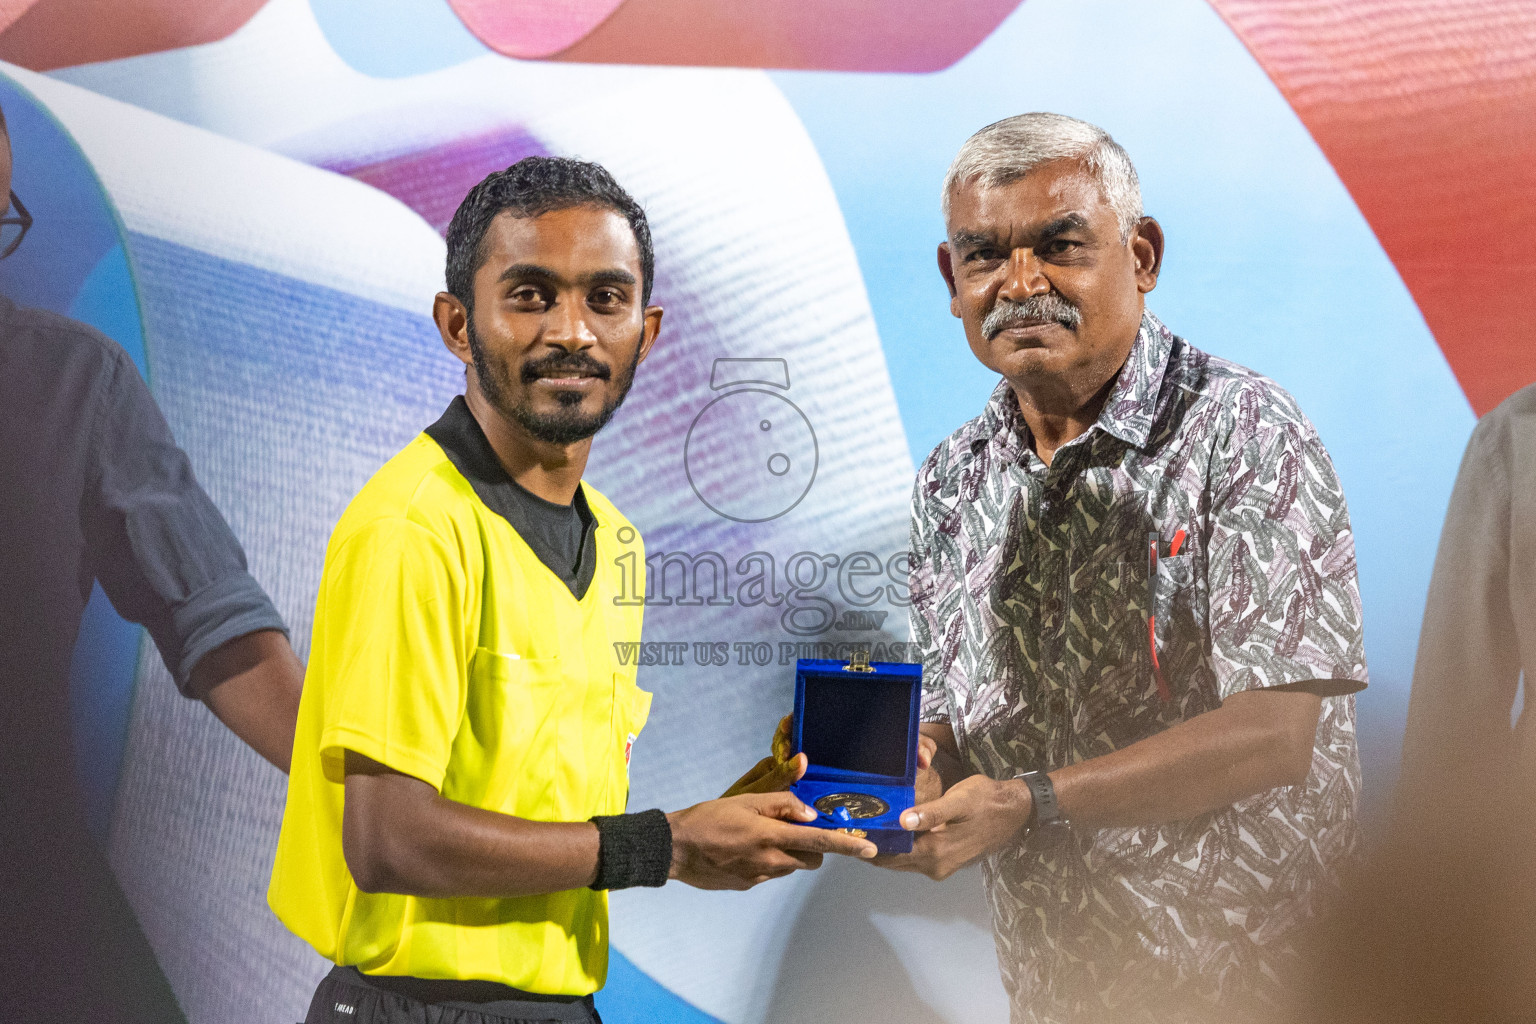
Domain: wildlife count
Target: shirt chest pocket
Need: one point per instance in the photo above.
(1173, 599)
(1139, 627)
(542, 743)
(510, 740)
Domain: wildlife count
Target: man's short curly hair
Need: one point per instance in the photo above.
(534, 186)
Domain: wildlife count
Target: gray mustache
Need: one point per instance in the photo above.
(1049, 307)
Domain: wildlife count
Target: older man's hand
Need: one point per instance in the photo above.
(930, 786)
(975, 817)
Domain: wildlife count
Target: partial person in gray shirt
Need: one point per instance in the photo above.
(1441, 925)
(1479, 632)
(93, 488)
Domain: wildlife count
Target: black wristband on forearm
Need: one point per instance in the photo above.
(632, 849)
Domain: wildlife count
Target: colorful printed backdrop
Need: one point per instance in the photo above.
(251, 200)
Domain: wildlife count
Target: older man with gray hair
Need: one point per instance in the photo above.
(1134, 585)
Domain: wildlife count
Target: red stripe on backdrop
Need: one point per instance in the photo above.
(1427, 111)
(47, 34)
(534, 29)
(832, 35)
(10, 10)
(433, 181)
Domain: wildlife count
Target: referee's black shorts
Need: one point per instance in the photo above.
(347, 996)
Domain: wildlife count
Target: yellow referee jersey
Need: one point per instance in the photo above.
(446, 650)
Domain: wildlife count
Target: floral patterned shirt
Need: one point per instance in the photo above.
(1050, 636)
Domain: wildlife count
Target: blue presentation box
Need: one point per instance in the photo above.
(856, 722)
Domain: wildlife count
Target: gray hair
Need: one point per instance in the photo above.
(1006, 151)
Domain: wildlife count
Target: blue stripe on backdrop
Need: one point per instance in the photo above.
(1269, 264)
(74, 224)
(634, 997)
(396, 38)
(107, 301)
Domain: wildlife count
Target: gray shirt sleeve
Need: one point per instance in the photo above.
(162, 552)
(1284, 596)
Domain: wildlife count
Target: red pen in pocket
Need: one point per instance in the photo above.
(1163, 693)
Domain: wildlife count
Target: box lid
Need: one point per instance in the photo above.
(858, 724)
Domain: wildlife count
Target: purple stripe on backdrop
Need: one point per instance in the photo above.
(433, 181)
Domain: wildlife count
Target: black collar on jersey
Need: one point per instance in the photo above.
(460, 436)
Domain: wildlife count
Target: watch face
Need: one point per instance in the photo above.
(858, 805)
(1051, 833)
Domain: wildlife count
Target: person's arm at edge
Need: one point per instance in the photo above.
(400, 835)
(252, 684)
(1255, 741)
(167, 559)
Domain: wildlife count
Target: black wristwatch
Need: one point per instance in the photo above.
(1045, 819)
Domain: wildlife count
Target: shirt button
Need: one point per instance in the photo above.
(1058, 705)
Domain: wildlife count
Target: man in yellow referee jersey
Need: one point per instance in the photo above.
(456, 806)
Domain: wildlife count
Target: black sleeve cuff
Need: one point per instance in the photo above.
(633, 849)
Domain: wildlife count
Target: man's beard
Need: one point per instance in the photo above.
(569, 423)
(1050, 307)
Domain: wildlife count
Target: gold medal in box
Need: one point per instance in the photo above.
(856, 723)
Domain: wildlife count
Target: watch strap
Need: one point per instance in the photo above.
(1043, 808)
